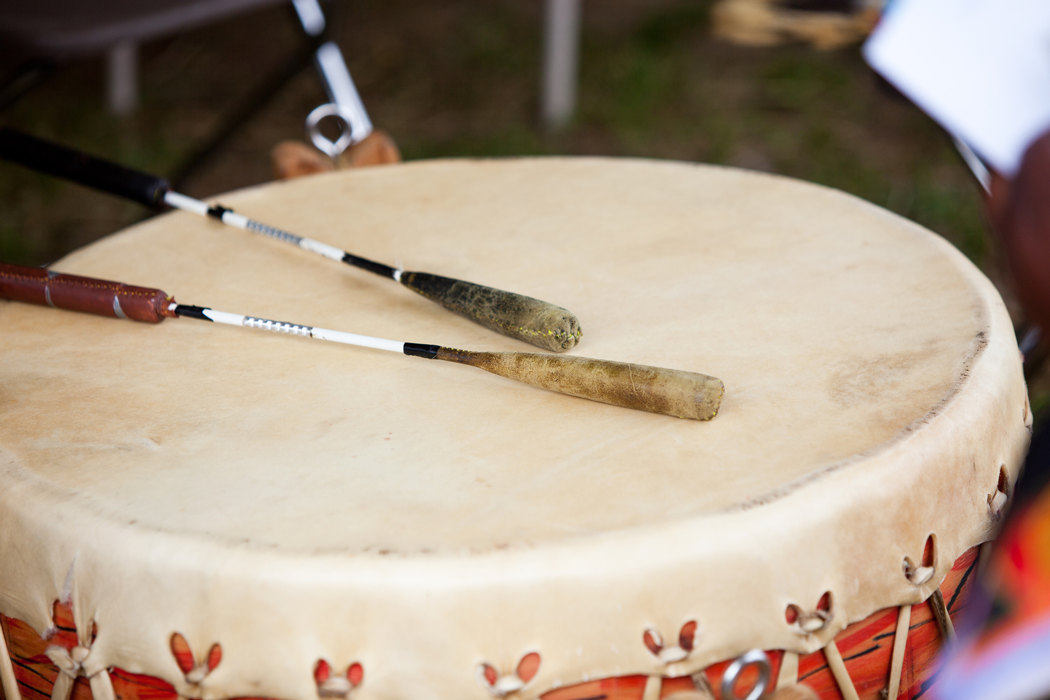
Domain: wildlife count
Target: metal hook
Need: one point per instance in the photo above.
(755, 657)
(332, 148)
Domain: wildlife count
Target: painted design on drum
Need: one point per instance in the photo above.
(337, 686)
(867, 647)
(874, 651)
(893, 644)
(688, 637)
(194, 671)
(502, 685)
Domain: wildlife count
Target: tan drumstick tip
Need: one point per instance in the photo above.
(670, 392)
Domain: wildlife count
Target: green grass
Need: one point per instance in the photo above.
(13, 248)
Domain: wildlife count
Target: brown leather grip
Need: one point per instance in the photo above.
(35, 285)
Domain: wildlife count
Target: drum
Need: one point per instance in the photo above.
(202, 511)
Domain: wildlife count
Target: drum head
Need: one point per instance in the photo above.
(873, 392)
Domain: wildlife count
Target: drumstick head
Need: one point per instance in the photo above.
(517, 316)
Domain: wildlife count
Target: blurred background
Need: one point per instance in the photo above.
(462, 78)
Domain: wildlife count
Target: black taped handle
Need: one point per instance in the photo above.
(49, 158)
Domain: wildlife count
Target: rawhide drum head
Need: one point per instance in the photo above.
(428, 530)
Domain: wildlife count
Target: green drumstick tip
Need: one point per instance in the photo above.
(514, 315)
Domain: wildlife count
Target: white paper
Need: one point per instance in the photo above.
(979, 67)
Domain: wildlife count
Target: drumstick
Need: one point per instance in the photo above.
(515, 315)
(653, 389)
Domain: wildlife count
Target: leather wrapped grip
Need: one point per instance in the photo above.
(671, 392)
(63, 162)
(35, 285)
(515, 315)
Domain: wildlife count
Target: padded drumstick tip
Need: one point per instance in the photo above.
(514, 315)
(669, 392)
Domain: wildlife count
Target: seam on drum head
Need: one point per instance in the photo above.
(977, 348)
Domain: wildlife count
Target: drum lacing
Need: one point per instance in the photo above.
(71, 665)
(69, 662)
(918, 575)
(997, 501)
(504, 685)
(192, 670)
(329, 686)
(335, 687)
(810, 622)
(687, 638)
(804, 623)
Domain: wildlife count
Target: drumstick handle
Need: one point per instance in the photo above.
(639, 387)
(36, 285)
(515, 315)
(45, 157)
